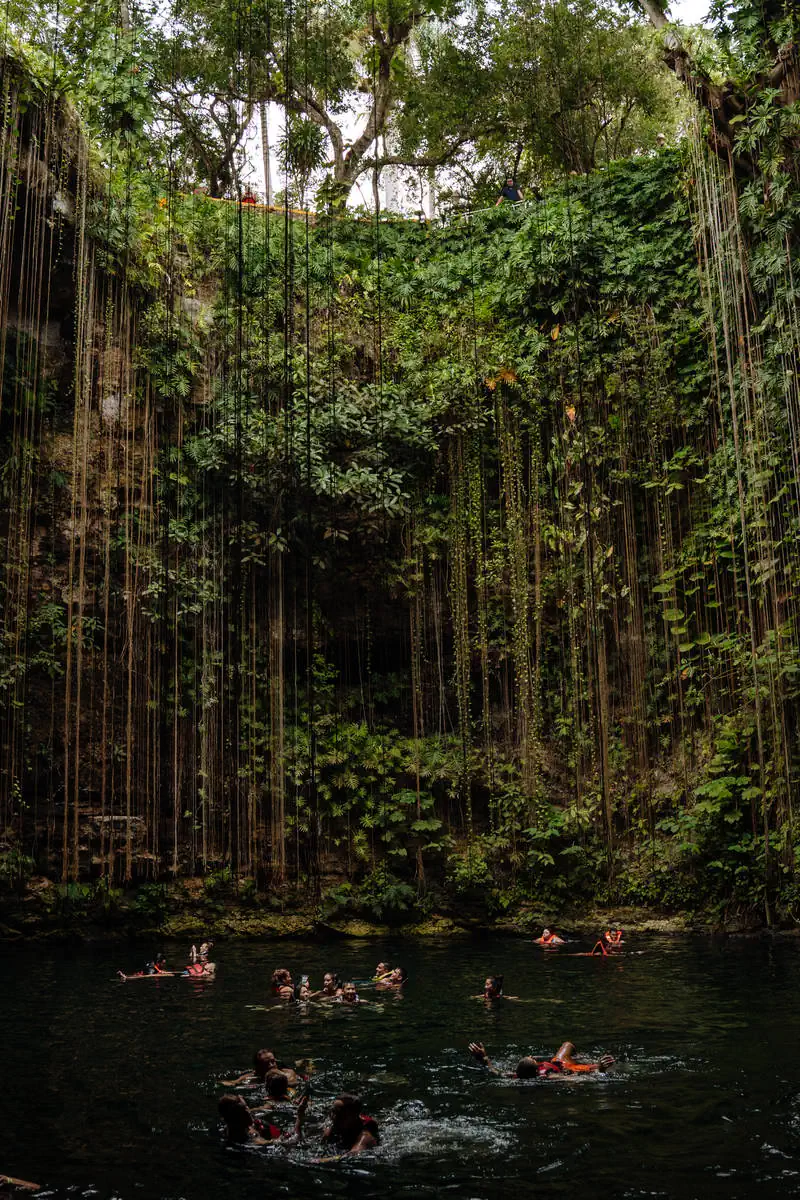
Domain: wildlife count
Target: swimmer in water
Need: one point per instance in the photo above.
(157, 967)
(276, 1085)
(200, 969)
(608, 943)
(330, 987)
(349, 995)
(395, 980)
(302, 990)
(562, 1063)
(382, 972)
(549, 938)
(244, 1128)
(201, 954)
(493, 989)
(264, 1062)
(282, 985)
(350, 1130)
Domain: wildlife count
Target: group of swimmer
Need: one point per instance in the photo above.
(283, 1089)
(198, 967)
(280, 1090)
(608, 942)
(386, 979)
(286, 1089)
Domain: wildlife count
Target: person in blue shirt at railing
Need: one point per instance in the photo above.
(509, 192)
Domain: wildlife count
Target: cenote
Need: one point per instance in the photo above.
(111, 1089)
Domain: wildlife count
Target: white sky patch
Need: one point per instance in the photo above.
(689, 12)
(394, 196)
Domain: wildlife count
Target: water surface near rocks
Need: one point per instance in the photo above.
(109, 1089)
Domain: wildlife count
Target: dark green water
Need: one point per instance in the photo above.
(109, 1090)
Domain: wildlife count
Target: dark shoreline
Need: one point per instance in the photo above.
(28, 919)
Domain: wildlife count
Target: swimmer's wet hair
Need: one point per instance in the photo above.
(234, 1113)
(527, 1068)
(277, 1084)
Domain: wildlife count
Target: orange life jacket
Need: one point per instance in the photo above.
(553, 1067)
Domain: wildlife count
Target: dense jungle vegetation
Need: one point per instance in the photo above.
(402, 564)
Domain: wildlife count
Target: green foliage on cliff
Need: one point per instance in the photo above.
(453, 556)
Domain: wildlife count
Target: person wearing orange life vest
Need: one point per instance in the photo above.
(565, 1055)
(609, 941)
(200, 970)
(562, 1063)
(549, 938)
(157, 967)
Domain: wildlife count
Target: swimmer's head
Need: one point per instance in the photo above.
(382, 968)
(346, 1110)
(545, 933)
(277, 1085)
(527, 1068)
(264, 1062)
(349, 992)
(236, 1115)
(329, 981)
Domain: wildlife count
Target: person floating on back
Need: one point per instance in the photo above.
(158, 966)
(509, 192)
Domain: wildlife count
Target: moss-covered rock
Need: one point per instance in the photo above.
(435, 926)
